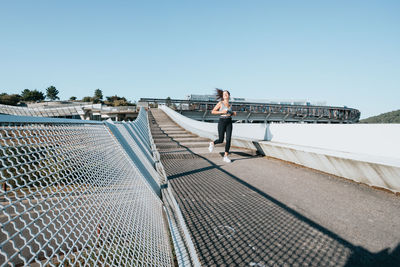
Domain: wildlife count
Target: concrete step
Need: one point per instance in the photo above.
(175, 132)
(171, 127)
(187, 135)
(191, 139)
(168, 145)
(180, 140)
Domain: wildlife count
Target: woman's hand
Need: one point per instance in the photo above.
(234, 113)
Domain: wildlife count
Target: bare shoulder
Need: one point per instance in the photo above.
(217, 106)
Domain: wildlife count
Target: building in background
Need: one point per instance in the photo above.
(199, 107)
(193, 97)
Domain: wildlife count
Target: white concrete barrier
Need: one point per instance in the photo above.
(365, 153)
(371, 139)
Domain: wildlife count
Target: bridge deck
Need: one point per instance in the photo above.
(258, 211)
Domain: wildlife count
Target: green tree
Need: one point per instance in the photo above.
(117, 101)
(87, 99)
(115, 98)
(98, 96)
(25, 94)
(52, 93)
(7, 99)
(32, 95)
(72, 98)
(388, 117)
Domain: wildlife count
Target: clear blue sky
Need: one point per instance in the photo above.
(341, 52)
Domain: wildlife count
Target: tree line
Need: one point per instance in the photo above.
(388, 117)
(52, 94)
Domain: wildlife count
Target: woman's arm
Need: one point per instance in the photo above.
(216, 109)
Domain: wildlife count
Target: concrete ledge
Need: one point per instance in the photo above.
(351, 166)
(378, 171)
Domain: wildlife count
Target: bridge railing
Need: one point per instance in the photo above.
(43, 112)
(80, 193)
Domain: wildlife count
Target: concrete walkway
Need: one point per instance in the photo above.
(258, 211)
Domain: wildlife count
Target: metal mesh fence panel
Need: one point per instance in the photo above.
(42, 111)
(70, 195)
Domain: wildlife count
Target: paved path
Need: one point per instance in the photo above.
(258, 211)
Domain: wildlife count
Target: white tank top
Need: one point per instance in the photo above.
(223, 107)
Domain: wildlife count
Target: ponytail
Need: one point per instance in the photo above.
(219, 93)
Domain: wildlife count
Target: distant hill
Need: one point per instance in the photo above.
(388, 117)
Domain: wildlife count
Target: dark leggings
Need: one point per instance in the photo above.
(224, 125)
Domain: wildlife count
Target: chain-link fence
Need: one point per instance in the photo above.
(80, 193)
(67, 111)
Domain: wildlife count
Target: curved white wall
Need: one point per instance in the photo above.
(370, 139)
(366, 153)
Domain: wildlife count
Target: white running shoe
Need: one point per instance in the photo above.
(226, 159)
(211, 147)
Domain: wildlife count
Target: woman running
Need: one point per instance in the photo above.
(225, 121)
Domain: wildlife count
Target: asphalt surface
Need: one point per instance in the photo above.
(258, 211)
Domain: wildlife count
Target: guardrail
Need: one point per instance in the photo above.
(79, 192)
(72, 111)
(78, 111)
